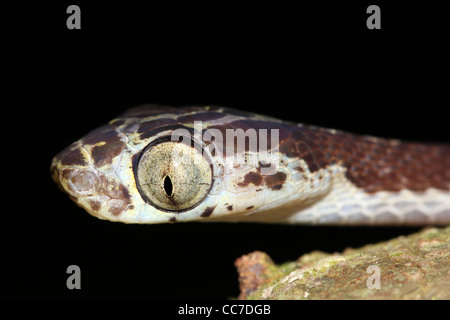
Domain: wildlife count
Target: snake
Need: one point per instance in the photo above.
(162, 164)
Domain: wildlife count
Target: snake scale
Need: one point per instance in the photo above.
(157, 164)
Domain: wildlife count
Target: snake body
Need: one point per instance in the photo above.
(315, 175)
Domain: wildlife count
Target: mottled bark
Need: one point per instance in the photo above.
(412, 267)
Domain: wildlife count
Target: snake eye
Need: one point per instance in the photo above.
(173, 176)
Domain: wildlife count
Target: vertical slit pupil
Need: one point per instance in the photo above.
(168, 186)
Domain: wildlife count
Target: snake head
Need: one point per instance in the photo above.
(85, 171)
(131, 169)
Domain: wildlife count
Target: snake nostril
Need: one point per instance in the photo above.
(83, 181)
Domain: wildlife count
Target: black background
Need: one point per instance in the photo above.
(315, 64)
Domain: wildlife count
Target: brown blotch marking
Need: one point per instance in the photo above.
(98, 135)
(151, 133)
(94, 204)
(251, 207)
(207, 212)
(154, 124)
(105, 153)
(277, 187)
(309, 159)
(74, 157)
(276, 179)
(118, 191)
(173, 219)
(229, 207)
(251, 177)
(288, 148)
(121, 193)
(117, 210)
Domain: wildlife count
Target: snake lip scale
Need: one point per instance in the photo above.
(125, 171)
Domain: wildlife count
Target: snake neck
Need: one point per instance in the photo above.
(375, 164)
